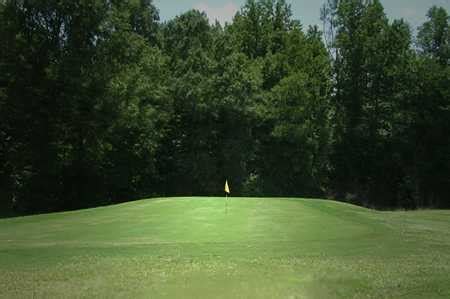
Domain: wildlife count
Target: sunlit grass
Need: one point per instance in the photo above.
(203, 248)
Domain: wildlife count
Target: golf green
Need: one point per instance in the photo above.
(240, 248)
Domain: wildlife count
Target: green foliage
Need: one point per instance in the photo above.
(100, 103)
(434, 35)
(260, 26)
(375, 86)
(65, 64)
(296, 111)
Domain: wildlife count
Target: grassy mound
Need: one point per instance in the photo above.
(248, 248)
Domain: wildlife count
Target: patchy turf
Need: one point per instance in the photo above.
(202, 248)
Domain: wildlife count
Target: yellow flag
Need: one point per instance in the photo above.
(227, 189)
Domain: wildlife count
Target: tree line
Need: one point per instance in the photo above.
(101, 102)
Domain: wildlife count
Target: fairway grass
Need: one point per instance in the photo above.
(205, 248)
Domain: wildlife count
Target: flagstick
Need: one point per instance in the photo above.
(226, 203)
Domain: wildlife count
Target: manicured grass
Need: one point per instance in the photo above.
(254, 248)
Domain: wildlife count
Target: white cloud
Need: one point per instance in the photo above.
(224, 13)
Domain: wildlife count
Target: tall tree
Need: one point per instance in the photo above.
(260, 26)
(63, 60)
(187, 156)
(434, 35)
(431, 107)
(369, 52)
(293, 157)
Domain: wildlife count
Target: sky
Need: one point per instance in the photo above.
(307, 11)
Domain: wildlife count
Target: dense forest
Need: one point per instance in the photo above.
(101, 102)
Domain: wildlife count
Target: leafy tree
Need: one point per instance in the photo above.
(294, 151)
(102, 103)
(260, 26)
(434, 35)
(60, 76)
(135, 109)
(370, 58)
(431, 104)
(187, 157)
